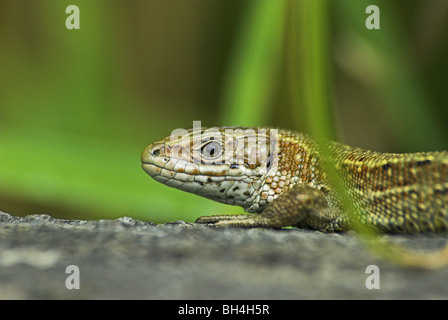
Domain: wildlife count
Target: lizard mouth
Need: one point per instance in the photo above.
(224, 189)
(151, 169)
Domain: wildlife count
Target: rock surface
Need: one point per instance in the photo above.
(133, 259)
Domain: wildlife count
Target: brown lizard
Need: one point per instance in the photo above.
(280, 175)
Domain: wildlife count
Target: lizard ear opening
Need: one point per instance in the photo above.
(270, 161)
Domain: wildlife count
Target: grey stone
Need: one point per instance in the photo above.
(133, 259)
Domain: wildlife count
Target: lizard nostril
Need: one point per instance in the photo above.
(156, 149)
(156, 152)
(152, 151)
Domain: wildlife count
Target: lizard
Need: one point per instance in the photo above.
(280, 176)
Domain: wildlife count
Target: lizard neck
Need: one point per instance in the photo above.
(297, 163)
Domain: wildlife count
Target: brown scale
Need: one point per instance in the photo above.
(405, 186)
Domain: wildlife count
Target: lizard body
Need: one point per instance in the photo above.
(280, 175)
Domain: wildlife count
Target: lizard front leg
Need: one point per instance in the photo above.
(302, 206)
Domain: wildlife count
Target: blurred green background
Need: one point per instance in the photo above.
(77, 107)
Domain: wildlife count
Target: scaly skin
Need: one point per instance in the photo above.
(238, 166)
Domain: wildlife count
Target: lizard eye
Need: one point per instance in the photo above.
(211, 150)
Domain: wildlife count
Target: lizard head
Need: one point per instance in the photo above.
(225, 164)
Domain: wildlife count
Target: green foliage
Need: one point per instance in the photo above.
(78, 106)
(383, 61)
(252, 80)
